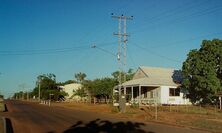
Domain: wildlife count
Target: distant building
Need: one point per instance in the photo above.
(152, 84)
(70, 90)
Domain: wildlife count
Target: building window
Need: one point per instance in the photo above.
(174, 91)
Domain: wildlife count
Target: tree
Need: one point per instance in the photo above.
(100, 88)
(48, 86)
(80, 92)
(202, 72)
(1, 96)
(103, 87)
(80, 76)
(19, 95)
(67, 82)
(129, 75)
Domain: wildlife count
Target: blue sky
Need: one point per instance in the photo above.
(55, 36)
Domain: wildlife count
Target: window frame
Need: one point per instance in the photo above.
(175, 93)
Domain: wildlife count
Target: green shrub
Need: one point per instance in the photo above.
(135, 105)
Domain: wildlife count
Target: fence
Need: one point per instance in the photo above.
(208, 110)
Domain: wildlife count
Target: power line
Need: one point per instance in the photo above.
(167, 14)
(156, 54)
(178, 9)
(174, 43)
(104, 50)
(186, 40)
(183, 17)
(39, 52)
(48, 51)
(197, 14)
(131, 58)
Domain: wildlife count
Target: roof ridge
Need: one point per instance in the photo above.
(157, 67)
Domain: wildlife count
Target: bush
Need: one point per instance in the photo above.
(135, 105)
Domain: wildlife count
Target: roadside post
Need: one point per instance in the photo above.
(122, 103)
(220, 102)
(50, 99)
(156, 108)
(219, 94)
(156, 117)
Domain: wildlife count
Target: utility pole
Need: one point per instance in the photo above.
(39, 90)
(156, 108)
(23, 86)
(220, 99)
(122, 43)
(27, 95)
(23, 95)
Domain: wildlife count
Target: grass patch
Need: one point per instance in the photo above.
(205, 117)
(128, 111)
(131, 110)
(209, 118)
(215, 126)
(114, 109)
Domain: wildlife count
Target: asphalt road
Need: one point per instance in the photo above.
(27, 117)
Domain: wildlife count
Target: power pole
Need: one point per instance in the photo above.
(27, 96)
(122, 43)
(39, 90)
(23, 95)
(22, 86)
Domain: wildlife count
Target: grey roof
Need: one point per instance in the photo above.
(155, 76)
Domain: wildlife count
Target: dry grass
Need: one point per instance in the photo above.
(85, 106)
(208, 118)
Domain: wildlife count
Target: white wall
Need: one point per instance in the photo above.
(158, 93)
(166, 99)
(69, 89)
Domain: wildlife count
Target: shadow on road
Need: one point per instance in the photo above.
(104, 126)
(8, 123)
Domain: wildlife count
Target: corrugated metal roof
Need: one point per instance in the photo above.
(155, 77)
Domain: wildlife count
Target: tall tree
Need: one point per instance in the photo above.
(66, 82)
(129, 75)
(80, 92)
(100, 87)
(48, 86)
(202, 71)
(80, 76)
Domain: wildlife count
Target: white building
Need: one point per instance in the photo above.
(152, 84)
(70, 90)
